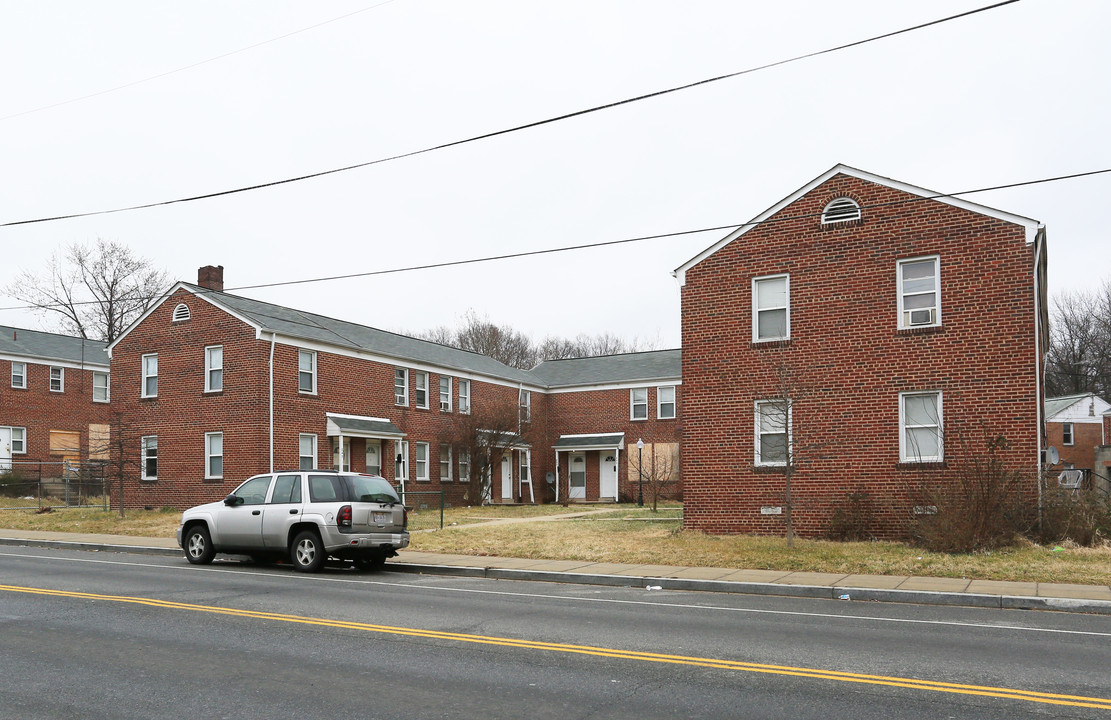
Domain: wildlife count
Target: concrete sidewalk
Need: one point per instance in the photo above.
(883, 588)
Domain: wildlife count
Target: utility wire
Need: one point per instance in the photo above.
(608, 243)
(518, 128)
(191, 65)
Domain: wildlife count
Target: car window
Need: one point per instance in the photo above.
(366, 488)
(253, 492)
(287, 489)
(325, 488)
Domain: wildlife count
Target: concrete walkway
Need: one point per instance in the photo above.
(836, 586)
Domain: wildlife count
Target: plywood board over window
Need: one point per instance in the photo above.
(65, 443)
(99, 442)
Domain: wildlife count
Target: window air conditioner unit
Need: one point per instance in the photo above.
(399, 399)
(445, 407)
(920, 317)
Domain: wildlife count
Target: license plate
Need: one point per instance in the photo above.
(382, 517)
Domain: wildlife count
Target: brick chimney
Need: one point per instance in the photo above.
(211, 277)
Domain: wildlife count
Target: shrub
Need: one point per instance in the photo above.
(1084, 516)
(852, 520)
(984, 506)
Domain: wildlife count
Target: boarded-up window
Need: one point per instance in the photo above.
(99, 442)
(65, 443)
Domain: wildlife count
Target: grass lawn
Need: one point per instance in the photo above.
(628, 534)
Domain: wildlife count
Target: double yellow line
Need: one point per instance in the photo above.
(900, 682)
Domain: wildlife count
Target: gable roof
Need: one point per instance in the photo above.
(44, 346)
(1060, 405)
(611, 369)
(1030, 225)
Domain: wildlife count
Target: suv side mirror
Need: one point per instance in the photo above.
(231, 500)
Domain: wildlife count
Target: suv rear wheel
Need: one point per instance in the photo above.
(307, 552)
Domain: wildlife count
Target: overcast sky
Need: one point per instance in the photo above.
(1013, 94)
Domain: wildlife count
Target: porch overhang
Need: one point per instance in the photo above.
(362, 427)
(601, 441)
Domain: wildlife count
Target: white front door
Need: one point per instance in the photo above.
(5, 448)
(506, 478)
(607, 474)
(577, 476)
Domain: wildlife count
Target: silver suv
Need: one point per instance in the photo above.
(305, 516)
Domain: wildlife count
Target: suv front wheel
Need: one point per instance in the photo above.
(307, 552)
(198, 545)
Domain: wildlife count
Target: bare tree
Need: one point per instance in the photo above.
(514, 348)
(1079, 358)
(482, 438)
(92, 292)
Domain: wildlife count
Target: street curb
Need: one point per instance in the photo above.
(917, 597)
(99, 547)
(821, 592)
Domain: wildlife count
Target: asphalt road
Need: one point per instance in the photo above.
(102, 635)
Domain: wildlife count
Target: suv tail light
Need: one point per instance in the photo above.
(404, 517)
(343, 517)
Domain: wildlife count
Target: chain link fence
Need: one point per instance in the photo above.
(39, 485)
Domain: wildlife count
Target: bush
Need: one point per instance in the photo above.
(852, 520)
(1084, 516)
(13, 484)
(984, 507)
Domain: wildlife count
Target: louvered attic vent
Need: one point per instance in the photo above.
(181, 313)
(841, 210)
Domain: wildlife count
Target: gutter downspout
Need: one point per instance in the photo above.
(273, 339)
(1039, 260)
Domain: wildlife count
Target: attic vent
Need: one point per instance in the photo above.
(181, 313)
(841, 210)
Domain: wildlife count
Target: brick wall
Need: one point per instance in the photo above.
(1086, 437)
(40, 411)
(850, 359)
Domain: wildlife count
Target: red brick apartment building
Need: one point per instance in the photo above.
(54, 400)
(1074, 426)
(216, 387)
(867, 329)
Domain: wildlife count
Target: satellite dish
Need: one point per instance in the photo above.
(1052, 457)
(550, 477)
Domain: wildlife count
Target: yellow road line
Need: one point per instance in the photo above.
(815, 673)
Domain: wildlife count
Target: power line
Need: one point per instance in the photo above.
(609, 243)
(190, 66)
(518, 128)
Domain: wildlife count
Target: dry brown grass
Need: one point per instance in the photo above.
(632, 535)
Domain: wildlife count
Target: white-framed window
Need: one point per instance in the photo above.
(920, 427)
(842, 209)
(421, 381)
(100, 387)
(1067, 434)
(445, 393)
(306, 451)
(638, 403)
(771, 308)
(465, 396)
(213, 455)
(402, 460)
(464, 465)
(213, 368)
(57, 379)
(445, 462)
(148, 457)
(524, 399)
(919, 288)
(665, 402)
(422, 461)
(150, 375)
(401, 386)
(19, 375)
(525, 457)
(18, 440)
(773, 431)
(306, 371)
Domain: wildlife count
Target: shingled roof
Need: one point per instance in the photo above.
(44, 346)
(609, 369)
